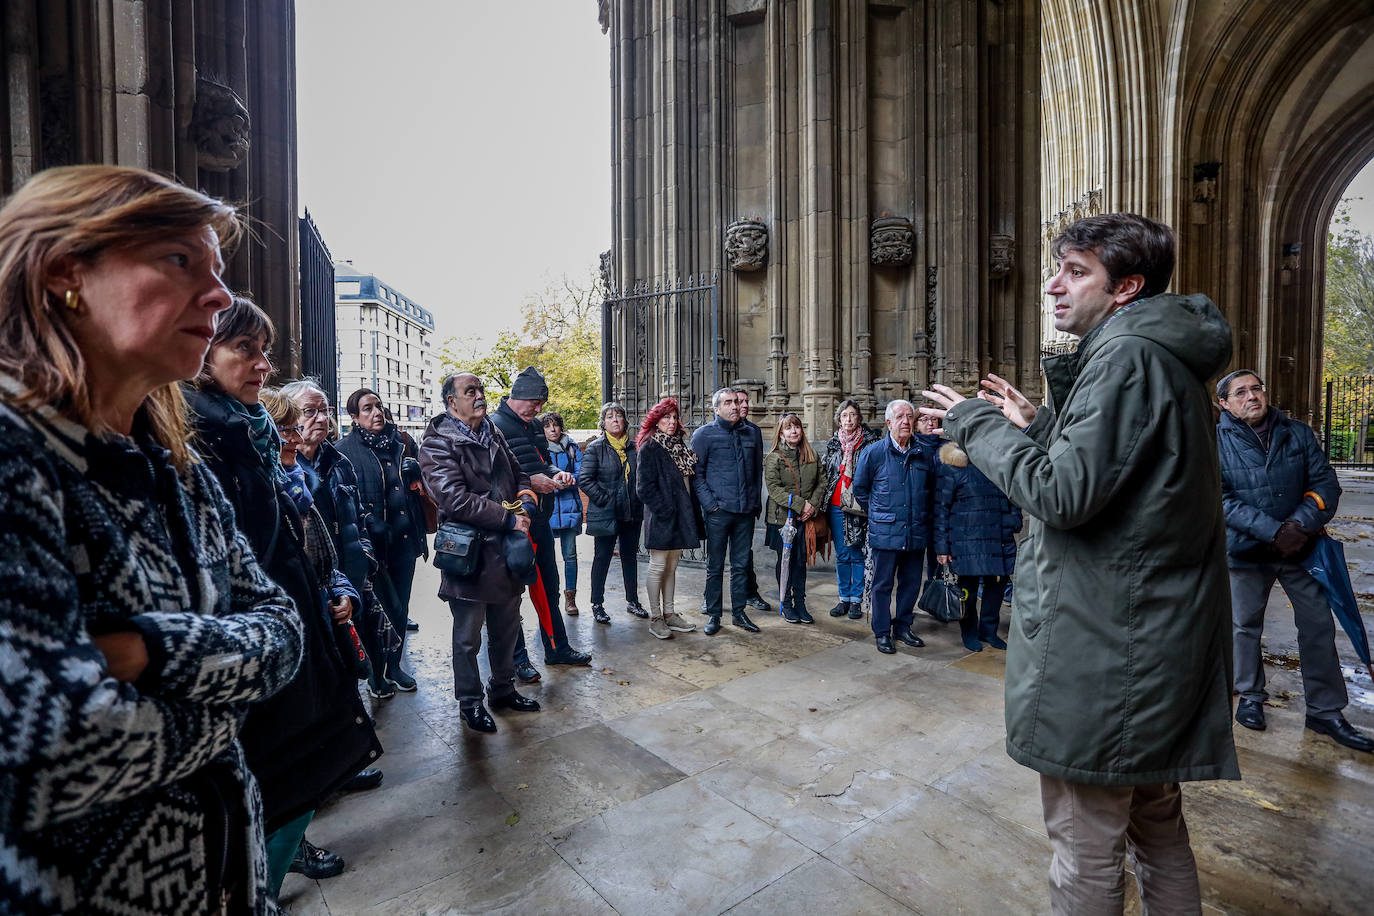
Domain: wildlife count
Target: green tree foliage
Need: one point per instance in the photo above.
(1348, 338)
(560, 336)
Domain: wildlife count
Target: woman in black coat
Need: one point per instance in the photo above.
(314, 735)
(672, 514)
(614, 512)
(975, 530)
(385, 465)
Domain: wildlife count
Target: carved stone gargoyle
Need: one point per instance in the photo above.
(220, 127)
(746, 245)
(892, 242)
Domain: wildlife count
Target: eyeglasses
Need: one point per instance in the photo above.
(1246, 392)
(290, 430)
(311, 413)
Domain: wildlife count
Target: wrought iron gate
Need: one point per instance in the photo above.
(1348, 418)
(663, 341)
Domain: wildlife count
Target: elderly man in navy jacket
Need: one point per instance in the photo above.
(895, 484)
(729, 483)
(1278, 490)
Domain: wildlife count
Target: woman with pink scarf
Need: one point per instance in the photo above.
(848, 524)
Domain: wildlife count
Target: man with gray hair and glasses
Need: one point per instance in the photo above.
(729, 485)
(1278, 490)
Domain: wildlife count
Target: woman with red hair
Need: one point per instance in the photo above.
(672, 515)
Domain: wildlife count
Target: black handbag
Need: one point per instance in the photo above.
(941, 596)
(458, 545)
(458, 548)
(518, 552)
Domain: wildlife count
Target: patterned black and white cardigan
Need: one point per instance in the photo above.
(99, 808)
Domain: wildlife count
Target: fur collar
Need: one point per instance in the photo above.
(952, 455)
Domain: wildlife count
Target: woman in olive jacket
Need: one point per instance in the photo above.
(796, 486)
(672, 514)
(614, 512)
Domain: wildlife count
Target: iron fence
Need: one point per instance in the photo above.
(663, 340)
(1348, 414)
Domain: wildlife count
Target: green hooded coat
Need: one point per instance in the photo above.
(1119, 663)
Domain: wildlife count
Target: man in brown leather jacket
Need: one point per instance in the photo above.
(470, 472)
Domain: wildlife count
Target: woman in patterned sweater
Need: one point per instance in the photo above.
(136, 627)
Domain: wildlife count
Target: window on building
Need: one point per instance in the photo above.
(362, 362)
(362, 338)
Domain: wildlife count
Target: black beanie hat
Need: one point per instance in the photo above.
(530, 386)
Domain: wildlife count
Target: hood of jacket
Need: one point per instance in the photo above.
(1189, 327)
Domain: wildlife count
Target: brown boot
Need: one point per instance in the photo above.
(570, 603)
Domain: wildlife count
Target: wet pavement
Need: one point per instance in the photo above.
(800, 769)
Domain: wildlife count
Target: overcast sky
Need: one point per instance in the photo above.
(460, 150)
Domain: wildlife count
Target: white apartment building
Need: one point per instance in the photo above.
(385, 343)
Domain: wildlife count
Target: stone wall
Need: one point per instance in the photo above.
(1239, 124)
(204, 91)
(860, 176)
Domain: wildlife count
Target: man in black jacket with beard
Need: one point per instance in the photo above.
(525, 436)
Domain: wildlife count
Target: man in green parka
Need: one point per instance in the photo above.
(1119, 665)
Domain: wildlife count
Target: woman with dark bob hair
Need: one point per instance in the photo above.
(315, 734)
(386, 465)
(137, 627)
(848, 524)
(614, 512)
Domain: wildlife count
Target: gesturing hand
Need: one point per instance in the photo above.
(1014, 405)
(542, 483)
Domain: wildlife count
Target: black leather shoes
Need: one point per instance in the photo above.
(527, 673)
(513, 701)
(568, 657)
(1342, 732)
(634, 607)
(412, 626)
(361, 782)
(885, 645)
(856, 610)
(741, 620)
(315, 863)
(477, 718)
(599, 614)
(910, 638)
(758, 604)
(840, 609)
(712, 626)
(1251, 714)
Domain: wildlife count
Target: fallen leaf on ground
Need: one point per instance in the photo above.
(512, 819)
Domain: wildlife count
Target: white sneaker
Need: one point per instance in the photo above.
(678, 623)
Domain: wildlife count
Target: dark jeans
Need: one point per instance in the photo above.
(751, 577)
(796, 574)
(545, 557)
(905, 565)
(986, 623)
(727, 532)
(392, 585)
(627, 537)
(503, 624)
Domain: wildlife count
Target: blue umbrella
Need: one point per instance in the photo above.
(1326, 563)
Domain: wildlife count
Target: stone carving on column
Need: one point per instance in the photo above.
(607, 277)
(1290, 264)
(891, 242)
(603, 15)
(745, 12)
(746, 245)
(886, 390)
(932, 273)
(1204, 192)
(1001, 254)
(220, 127)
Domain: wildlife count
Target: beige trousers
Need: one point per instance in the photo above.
(1093, 828)
(662, 581)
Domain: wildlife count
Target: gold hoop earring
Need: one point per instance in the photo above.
(73, 300)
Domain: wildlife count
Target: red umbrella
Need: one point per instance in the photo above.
(538, 597)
